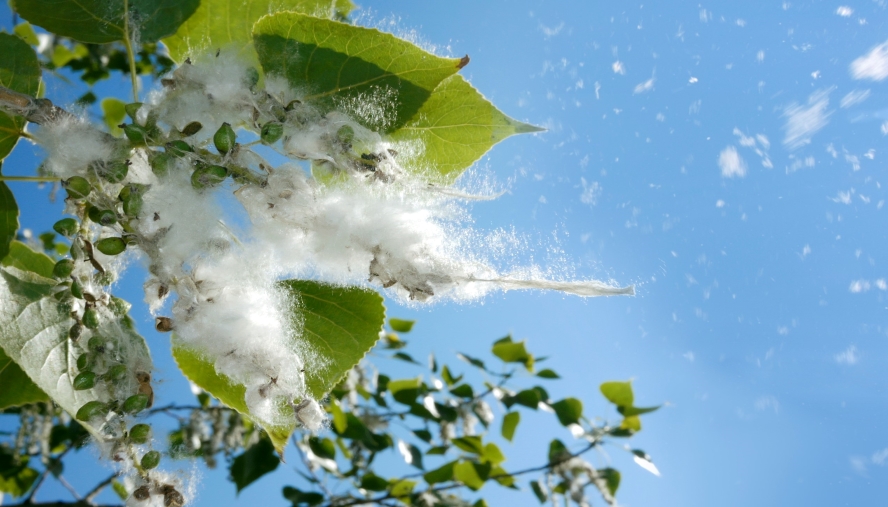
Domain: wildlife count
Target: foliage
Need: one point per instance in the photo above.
(273, 324)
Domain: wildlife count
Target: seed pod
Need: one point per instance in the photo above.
(150, 460)
(178, 148)
(208, 176)
(90, 410)
(83, 361)
(135, 133)
(104, 217)
(132, 203)
(90, 318)
(132, 109)
(118, 306)
(116, 372)
(141, 493)
(77, 187)
(346, 134)
(66, 227)
(135, 403)
(84, 380)
(77, 289)
(271, 132)
(96, 343)
(140, 433)
(106, 278)
(172, 498)
(161, 164)
(191, 129)
(115, 172)
(63, 268)
(163, 324)
(224, 138)
(111, 246)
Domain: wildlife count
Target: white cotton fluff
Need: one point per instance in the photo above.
(72, 145)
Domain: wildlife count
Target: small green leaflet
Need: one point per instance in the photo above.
(114, 114)
(228, 24)
(18, 389)
(452, 130)
(101, 21)
(19, 71)
(22, 257)
(253, 463)
(9, 214)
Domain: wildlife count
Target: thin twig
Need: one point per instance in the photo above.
(69, 487)
(99, 487)
(38, 179)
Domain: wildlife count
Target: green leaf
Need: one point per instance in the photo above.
(568, 410)
(202, 372)
(611, 479)
(529, 398)
(463, 391)
(631, 423)
(9, 223)
(19, 71)
(255, 462)
(513, 352)
(22, 257)
(340, 324)
(114, 114)
(471, 474)
(558, 451)
(440, 474)
(300, 498)
(373, 482)
(452, 130)
(347, 64)
(539, 490)
(630, 411)
(17, 478)
(101, 21)
(26, 32)
(510, 423)
(401, 325)
(339, 421)
(18, 388)
(402, 488)
(492, 454)
(470, 444)
(322, 447)
(548, 374)
(618, 393)
(120, 490)
(229, 24)
(34, 333)
(471, 360)
(411, 454)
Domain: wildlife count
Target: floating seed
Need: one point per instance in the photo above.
(84, 380)
(111, 246)
(77, 187)
(66, 227)
(63, 268)
(224, 138)
(150, 460)
(163, 324)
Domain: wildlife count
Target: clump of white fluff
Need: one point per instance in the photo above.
(72, 144)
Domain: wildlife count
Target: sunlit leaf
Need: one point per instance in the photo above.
(101, 21)
(492, 454)
(253, 463)
(632, 423)
(18, 388)
(403, 487)
(401, 325)
(540, 490)
(19, 71)
(346, 64)
(443, 473)
(26, 32)
(470, 444)
(9, 223)
(568, 410)
(630, 411)
(513, 352)
(17, 478)
(510, 423)
(611, 478)
(452, 130)
(618, 393)
(467, 473)
(114, 114)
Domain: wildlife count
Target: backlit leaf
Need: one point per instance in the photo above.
(114, 114)
(618, 393)
(401, 325)
(19, 71)
(568, 410)
(253, 463)
(9, 223)
(510, 423)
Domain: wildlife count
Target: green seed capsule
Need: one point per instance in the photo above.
(90, 410)
(135, 403)
(66, 227)
(84, 361)
(252, 77)
(111, 246)
(161, 164)
(63, 268)
(224, 138)
(132, 206)
(84, 380)
(102, 216)
(140, 433)
(150, 460)
(208, 176)
(178, 148)
(77, 289)
(346, 134)
(116, 372)
(132, 109)
(191, 129)
(135, 133)
(118, 306)
(90, 318)
(271, 132)
(96, 343)
(115, 172)
(106, 278)
(77, 187)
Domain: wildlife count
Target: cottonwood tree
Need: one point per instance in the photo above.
(341, 146)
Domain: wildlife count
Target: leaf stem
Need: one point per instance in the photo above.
(131, 56)
(38, 179)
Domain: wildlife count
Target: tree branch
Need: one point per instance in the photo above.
(76, 503)
(39, 111)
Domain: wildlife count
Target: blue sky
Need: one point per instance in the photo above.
(727, 159)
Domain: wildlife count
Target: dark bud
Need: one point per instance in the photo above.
(84, 380)
(111, 246)
(140, 434)
(141, 493)
(191, 129)
(178, 148)
(66, 227)
(163, 324)
(77, 187)
(271, 132)
(63, 268)
(224, 138)
(172, 498)
(208, 176)
(150, 460)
